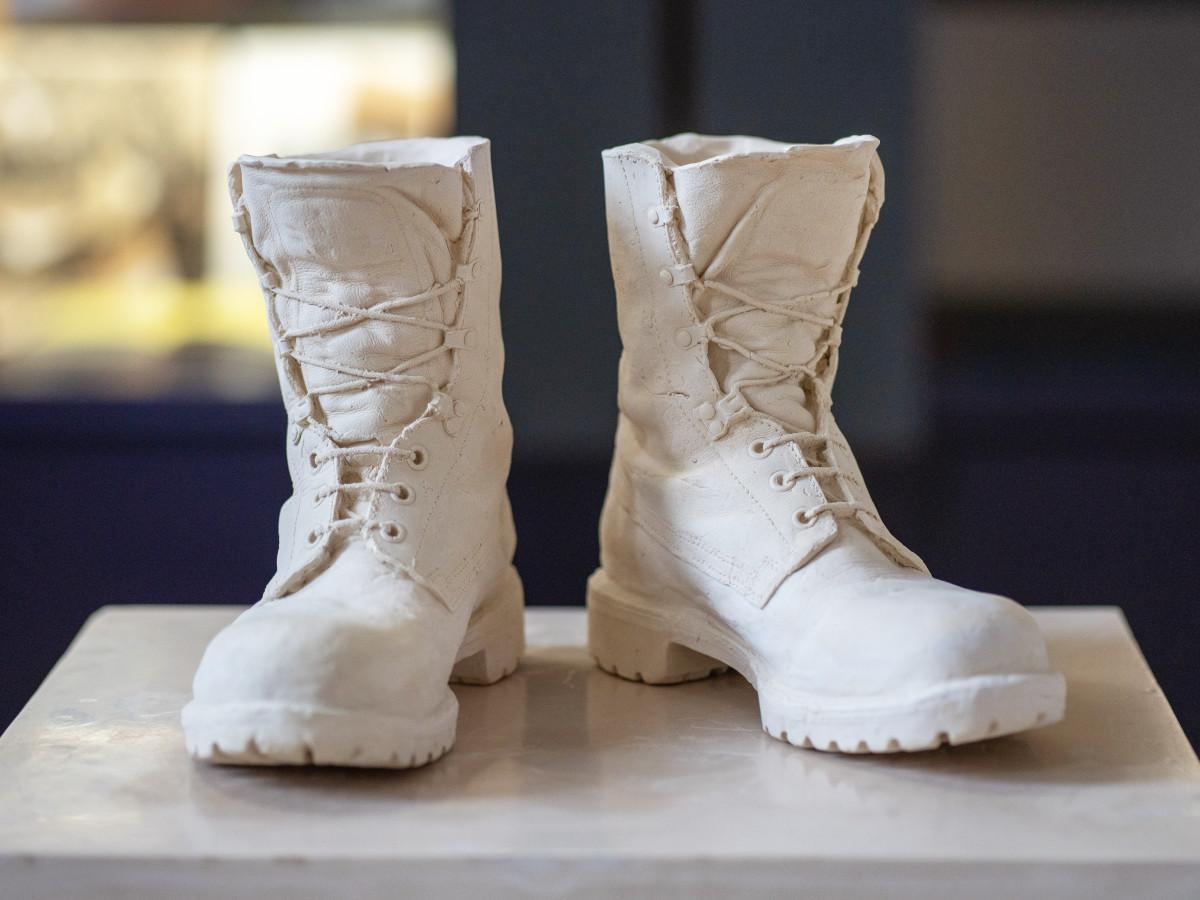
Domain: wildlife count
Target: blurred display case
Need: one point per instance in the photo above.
(120, 276)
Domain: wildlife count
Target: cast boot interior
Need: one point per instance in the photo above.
(737, 531)
(380, 268)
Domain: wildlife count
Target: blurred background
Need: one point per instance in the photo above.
(1020, 377)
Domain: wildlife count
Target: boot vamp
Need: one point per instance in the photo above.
(855, 623)
(360, 636)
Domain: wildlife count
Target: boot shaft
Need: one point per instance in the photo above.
(380, 268)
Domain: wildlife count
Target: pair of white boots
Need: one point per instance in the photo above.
(737, 531)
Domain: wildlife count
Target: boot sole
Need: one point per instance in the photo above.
(629, 638)
(281, 734)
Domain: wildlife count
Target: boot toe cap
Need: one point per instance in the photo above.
(326, 659)
(921, 632)
(977, 634)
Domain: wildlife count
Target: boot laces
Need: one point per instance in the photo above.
(815, 376)
(343, 317)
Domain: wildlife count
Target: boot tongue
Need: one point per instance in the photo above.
(775, 227)
(358, 238)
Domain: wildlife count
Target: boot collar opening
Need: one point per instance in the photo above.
(682, 151)
(393, 154)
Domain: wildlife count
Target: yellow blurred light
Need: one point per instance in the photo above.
(114, 143)
(155, 317)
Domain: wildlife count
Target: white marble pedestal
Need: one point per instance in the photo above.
(568, 782)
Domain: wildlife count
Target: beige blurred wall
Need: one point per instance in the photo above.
(1060, 153)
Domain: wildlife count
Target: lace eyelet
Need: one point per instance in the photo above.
(317, 498)
(419, 458)
(779, 481)
(312, 461)
(404, 494)
(393, 532)
(759, 449)
(314, 536)
(801, 520)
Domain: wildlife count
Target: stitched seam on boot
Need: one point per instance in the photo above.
(655, 528)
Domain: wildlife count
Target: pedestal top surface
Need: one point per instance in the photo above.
(562, 766)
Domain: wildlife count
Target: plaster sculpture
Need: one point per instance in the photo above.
(380, 266)
(737, 530)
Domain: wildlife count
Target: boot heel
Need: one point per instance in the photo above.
(639, 652)
(495, 638)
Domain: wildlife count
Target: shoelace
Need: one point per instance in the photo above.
(400, 489)
(818, 439)
(342, 317)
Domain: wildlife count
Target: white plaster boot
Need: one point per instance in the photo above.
(380, 265)
(737, 530)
